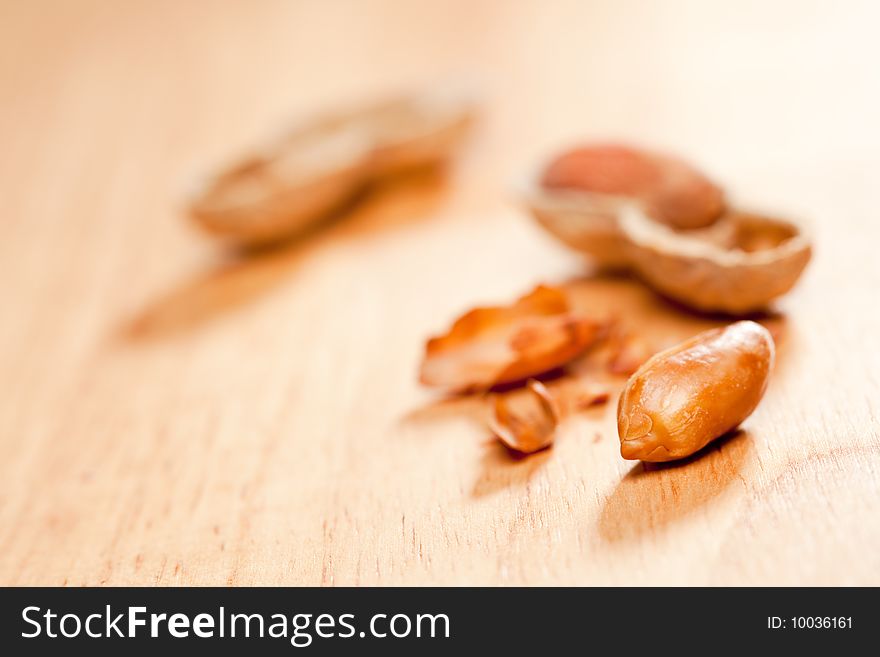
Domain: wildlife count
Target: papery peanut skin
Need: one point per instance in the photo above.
(683, 398)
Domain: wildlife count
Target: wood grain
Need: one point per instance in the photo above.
(172, 414)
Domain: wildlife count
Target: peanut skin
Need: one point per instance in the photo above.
(683, 398)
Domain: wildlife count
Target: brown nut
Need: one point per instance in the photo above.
(739, 264)
(672, 191)
(654, 215)
(683, 398)
(580, 195)
(300, 178)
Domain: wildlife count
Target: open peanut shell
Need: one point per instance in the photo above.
(283, 188)
(733, 262)
(578, 196)
(585, 221)
(738, 265)
(417, 131)
(300, 178)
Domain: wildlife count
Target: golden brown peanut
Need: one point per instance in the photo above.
(683, 398)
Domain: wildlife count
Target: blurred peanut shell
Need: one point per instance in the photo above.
(585, 221)
(738, 265)
(293, 182)
(419, 131)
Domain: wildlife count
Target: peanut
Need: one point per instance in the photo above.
(737, 265)
(683, 398)
(671, 190)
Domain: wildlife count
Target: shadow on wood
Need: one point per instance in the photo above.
(472, 408)
(244, 275)
(503, 468)
(654, 495)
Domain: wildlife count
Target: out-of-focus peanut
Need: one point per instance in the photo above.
(654, 215)
(672, 191)
(683, 398)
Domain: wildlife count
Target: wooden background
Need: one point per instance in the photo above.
(173, 415)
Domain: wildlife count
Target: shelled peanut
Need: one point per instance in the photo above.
(683, 398)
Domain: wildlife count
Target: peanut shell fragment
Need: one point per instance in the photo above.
(525, 421)
(583, 221)
(504, 344)
(291, 183)
(686, 396)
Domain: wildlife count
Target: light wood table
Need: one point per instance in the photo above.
(173, 415)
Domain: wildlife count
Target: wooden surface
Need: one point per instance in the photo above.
(170, 415)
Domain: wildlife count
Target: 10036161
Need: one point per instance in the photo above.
(810, 623)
